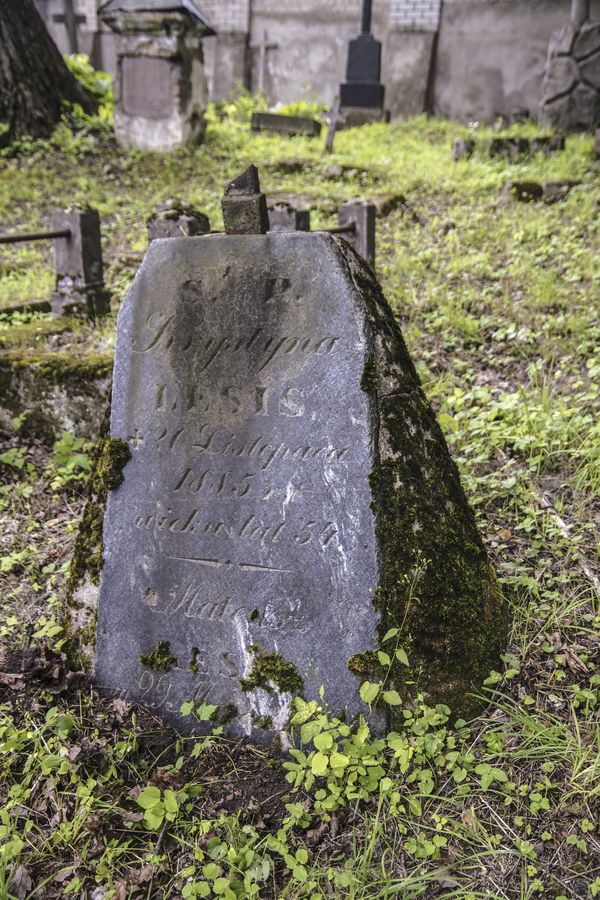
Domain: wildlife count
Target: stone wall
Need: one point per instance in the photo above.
(491, 55)
(465, 59)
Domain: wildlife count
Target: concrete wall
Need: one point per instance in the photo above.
(312, 44)
(479, 58)
(491, 55)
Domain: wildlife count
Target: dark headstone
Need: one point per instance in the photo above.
(597, 143)
(463, 149)
(285, 217)
(78, 265)
(362, 87)
(286, 125)
(288, 484)
(244, 206)
(171, 219)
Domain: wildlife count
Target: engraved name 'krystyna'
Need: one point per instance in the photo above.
(162, 334)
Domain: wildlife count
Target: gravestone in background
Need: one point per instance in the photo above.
(290, 496)
(160, 86)
(362, 93)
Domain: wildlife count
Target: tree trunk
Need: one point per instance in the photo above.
(34, 79)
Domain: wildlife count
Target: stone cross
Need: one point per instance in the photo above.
(263, 48)
(70, 20)
(366, 16)
(290, 507)
(336, 118)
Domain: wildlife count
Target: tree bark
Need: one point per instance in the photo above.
(34, 79)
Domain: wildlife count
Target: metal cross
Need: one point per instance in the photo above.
(71, 21)
(263, 47)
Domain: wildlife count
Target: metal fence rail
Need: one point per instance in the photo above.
(35, 236)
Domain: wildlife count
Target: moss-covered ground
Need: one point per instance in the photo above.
(499, 303)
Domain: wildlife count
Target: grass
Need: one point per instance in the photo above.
(498, 301)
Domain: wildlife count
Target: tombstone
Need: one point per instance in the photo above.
(362, 93)
(571, 86)
(285, 217)
(511, 149)
(597, 143)
(289, 126)
(547, 145)
(160, 85)
(289, 498)
(172, 219)
(360, 214)
(463, 149)
(78, 265)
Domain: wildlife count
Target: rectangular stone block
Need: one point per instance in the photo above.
(287, 125)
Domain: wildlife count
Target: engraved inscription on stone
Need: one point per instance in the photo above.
(147, 86)
(244, 518)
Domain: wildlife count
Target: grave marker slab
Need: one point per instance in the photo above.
(289, 492)
(286, 125)
(160, 84)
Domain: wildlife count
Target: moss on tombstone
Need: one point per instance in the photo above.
(366, 664)
(271, 669)
(109, 457)
(28, 334)
(58, 366)
(265, 723)
(436, 583)
(159, 658)
(225, 713)
(369, 376)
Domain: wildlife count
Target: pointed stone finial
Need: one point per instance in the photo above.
(246, 183)
(244, 206)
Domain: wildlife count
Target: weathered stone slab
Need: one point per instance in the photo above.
(147, 86)
(286, 125)
(289, 497)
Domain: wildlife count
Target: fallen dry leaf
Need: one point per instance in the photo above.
(20, 883)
